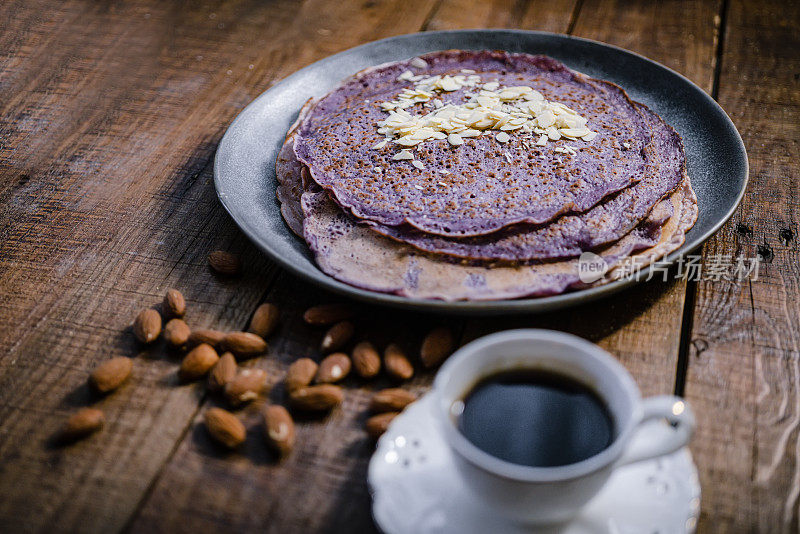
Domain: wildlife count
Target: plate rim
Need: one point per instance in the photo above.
(472, 307)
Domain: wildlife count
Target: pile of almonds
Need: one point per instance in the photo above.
(214, 356)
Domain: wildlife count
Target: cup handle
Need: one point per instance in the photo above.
(667, 438)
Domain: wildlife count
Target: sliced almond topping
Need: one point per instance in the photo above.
(408, 141)
(455, 139)
(507, 109)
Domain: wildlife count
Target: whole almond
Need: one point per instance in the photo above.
(80, 424)
(110, 374)
(377, 424)
(198, 362)
(174, 304)
(279, 429)
(300, 374)
(225, 263)
(333, 368)
(246, 386)
(366, 360)
(326, 314)
(337, 336)
(397, 364)
(391, 400)
(436, 346)
(225, 428)
(316, 398)
(176, 333)
(204, 335)
(264, 320)
(147, 326)
(244, 344)
(222, 372)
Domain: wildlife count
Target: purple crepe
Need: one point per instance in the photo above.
(354, 254)
(568, 235)
(484, 191)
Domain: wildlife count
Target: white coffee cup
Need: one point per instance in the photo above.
(542, 495)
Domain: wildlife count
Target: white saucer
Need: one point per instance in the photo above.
(416, 490)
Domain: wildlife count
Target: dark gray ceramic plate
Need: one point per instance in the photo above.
(244, 170)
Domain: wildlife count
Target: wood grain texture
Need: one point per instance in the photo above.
(542, 15)
(743, 377)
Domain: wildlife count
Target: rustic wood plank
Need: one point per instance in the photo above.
(553, 15)
(743, 376)
(110, 115)
(681, 34)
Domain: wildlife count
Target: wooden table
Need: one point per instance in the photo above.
(111, 112)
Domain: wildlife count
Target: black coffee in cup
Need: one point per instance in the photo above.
(536, 418)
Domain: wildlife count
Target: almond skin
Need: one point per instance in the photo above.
(391, 400)
(316, 398)
(333, 368)
(327, 314)
(436, 346)
(82, 423)
(397, 364)
(204, 335)
(279, 429)
(225, 428)
(378, 424)
(366, 360)
(300, 374)
(246, 386)
(224, 263)
(264, 320)
(337, 337)
(198, 362)
(110, 374)
(176, 333)
(244, 344)
(222, 372)
(174, 304)
(147, 326)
